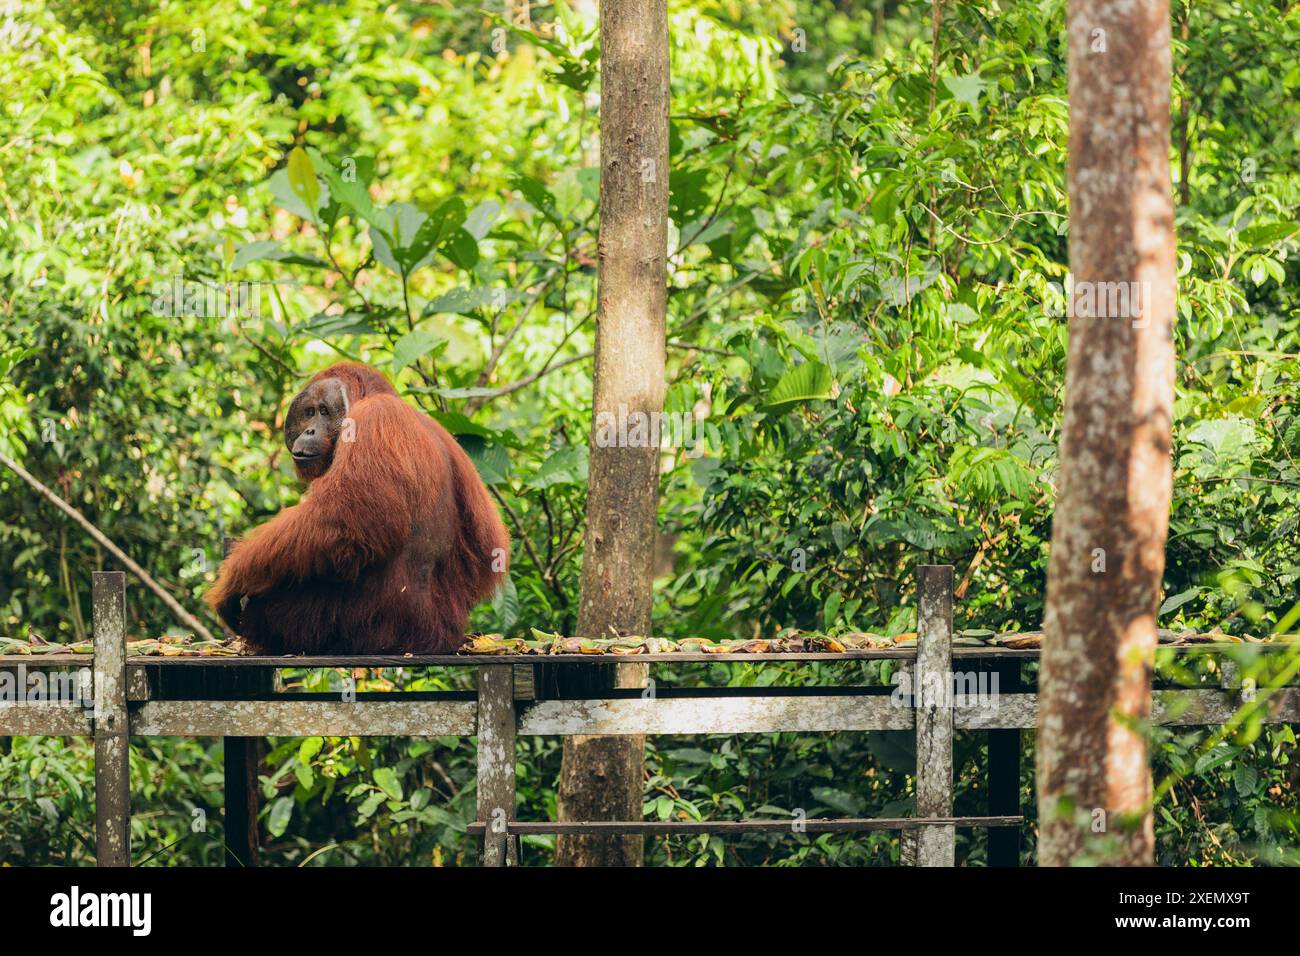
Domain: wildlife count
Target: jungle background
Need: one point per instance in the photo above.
(865, 318)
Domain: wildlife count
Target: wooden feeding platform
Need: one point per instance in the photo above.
(119, 696)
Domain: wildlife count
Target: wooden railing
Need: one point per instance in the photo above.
(235, 698)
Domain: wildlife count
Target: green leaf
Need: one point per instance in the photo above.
(271, 250)
(589, 180)
(348, 186)
(538, 196)
(325, 326)
(961, 314)
(434, 231)
(490, 459)
(479, 221)
(568, 466)
(1176, 601)
(415, 345)
(461, 248)
(460, 424)
(287, 196)
(966, 88)
(309, 748)
(278, 819)
(849, 804)
(831, 610)
(1215, 758)
(1267, 233)
(806, 382)
(884, 202)
(386, 780)
(506, 605)
(302, 178)
(371, 804)
(382, 246)
(464, 301)
(1244, 778)
(396, 237)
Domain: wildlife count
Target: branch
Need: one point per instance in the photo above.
(522, 536)
(479, 401)
(497, 349)
(182, 615)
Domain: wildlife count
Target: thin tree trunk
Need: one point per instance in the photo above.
(182, 615)
(601, 777)
(1184, 123)
(1112, 508)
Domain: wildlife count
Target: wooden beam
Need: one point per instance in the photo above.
(820, 825)
(686, 715)
(297, 718)
(708, 715)
(905, 652)
(112, 731)
(1205, 707)
(37, 718)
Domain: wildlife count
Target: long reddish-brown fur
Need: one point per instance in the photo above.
(387, 552)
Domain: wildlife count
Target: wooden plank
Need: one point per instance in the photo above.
(1001, 712)
(112, 731)
(481, 660)
(496, 764)
(905, 652)
(297, 718)
(36, 701)
(525, 682)
(932, 690)
(817, 825)
(35, 718)
(138, 685)
(688, 715)
(817, 714)
(1204, 707)
(1207, 708)
(709, 715)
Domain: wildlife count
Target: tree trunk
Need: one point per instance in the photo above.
(601, 777)
(1112, 507)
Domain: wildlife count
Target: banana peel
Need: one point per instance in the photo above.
(494, 644)
(787, 641)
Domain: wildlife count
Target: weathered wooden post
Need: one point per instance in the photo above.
(932, 693)
(496, 762)
(112, 732)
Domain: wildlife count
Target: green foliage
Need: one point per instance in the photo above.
(864, 325)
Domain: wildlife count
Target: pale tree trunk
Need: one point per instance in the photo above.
(601, 778)
(1113, 489)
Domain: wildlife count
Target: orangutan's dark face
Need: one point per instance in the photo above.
(312, 427)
